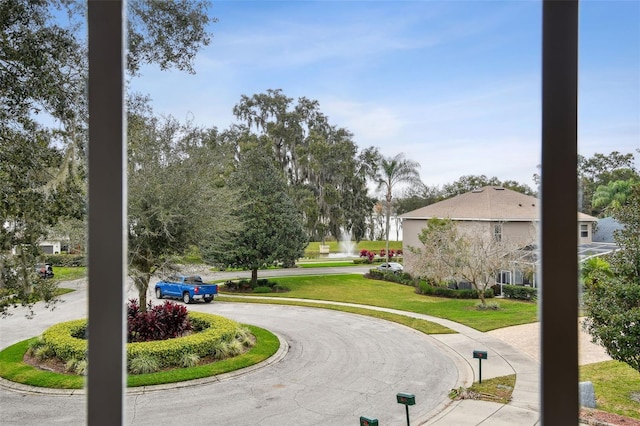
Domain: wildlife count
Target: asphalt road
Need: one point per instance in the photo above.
(337, 367)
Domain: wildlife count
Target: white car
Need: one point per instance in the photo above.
(390, 267)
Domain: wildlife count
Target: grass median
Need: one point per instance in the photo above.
(13, 368)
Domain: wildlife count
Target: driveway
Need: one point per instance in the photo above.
(337, 367)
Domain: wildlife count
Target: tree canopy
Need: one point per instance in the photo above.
(601, 170)
(31, 202)
(612, 289)
(613, 195)
(387, 173)
(43, 109)
(271, 225)
(175, 199)
(326, 175)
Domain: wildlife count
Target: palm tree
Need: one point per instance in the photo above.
(612, 195)
(389, 172)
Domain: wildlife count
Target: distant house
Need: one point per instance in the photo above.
(496, 212)
(50, 247)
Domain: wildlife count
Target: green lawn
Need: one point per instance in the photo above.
(68, 273)
(617, 387)
(354, 288)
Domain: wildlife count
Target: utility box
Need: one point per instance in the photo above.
(364, 421)
(406, 398)
(480, 354)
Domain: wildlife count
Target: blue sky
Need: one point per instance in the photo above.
(454, 85)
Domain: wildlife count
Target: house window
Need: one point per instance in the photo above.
(504, 277)
(584, 231)
(497, 232)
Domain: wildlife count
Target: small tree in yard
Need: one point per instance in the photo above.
(432, 261)
(612, 289)
(471, 256)
(174, 203)
(272, 226)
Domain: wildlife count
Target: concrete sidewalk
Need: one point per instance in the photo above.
(502, 359)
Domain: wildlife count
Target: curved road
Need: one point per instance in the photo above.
(338, 367)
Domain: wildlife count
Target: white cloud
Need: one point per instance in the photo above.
(370, 122)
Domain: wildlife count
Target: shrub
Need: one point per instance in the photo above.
(77, 366)
(400, 278)
(81, 367)
(61, 341)
(34, 346)
(367, 255)
(520, 292)
(243, 335)
(491, 306)
(43, 352)
(66, 259)
(438, 291)
(262, 285)
(214, 332)
(189, 360)
(143, 364)
(234, 347)
(169, 351)
(160, 322)
(220, 350)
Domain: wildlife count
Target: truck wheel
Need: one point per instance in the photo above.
(208, 299)
(158, 293)
(186, 298)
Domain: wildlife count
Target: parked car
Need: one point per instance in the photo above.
(390, 267)
(45, 270)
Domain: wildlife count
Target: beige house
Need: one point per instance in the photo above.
(496, 212)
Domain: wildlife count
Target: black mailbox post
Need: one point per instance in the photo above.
(407, 399)
(480, 355)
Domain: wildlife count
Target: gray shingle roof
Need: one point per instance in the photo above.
(488, 203)
(605, 229)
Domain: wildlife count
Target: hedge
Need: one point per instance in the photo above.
(430, 290)
(66, 341)
(400, 278)
(66, 259)
(520, 292)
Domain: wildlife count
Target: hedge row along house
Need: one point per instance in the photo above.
(503, 215)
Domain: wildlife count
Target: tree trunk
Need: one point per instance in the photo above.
(142, 284)
(254, 278)
(481, 296)
(388, 224)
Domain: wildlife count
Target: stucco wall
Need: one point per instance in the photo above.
(517, 234)
(589, 237)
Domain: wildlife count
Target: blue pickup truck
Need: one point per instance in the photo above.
(188, 288)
